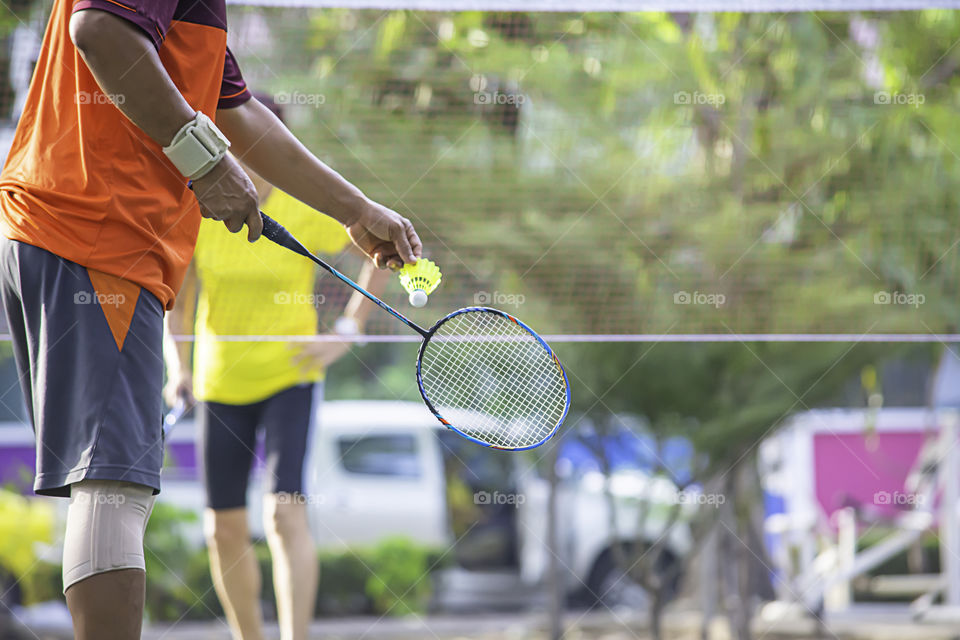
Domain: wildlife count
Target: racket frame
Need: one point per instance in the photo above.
(546, 347)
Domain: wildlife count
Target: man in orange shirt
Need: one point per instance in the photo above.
(99, 228)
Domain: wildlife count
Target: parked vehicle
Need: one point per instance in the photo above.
(383, 469)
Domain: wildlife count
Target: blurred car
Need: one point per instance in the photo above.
(381, 469)
(377, 470)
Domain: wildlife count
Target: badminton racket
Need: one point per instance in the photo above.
(482, 372)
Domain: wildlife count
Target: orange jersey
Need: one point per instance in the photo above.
(85, 183)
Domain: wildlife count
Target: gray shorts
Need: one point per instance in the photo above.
(88, 348)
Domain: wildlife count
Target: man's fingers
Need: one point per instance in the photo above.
(413, 238)
(398, 233)
(401, 244)
(187, 397)
(205, 212)
(254, 226)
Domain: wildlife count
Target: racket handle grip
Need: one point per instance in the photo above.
(275, 232)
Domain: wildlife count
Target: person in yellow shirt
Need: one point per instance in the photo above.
(259, 289)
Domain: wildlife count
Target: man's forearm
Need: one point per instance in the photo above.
(265, 144)
(179, 321)
(176, 355)
(126, 66)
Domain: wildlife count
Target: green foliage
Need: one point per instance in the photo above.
(788, 188)
(25, 523)
(343, 583)
(399, 581)
(784, 183)
(391, 578)
(178, 575)
(43, 583)
(374, 372)
(15, 13)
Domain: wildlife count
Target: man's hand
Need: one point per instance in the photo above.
(227, 194)
(313, 357)
(385, 236)
(179, 388)
(125, 63)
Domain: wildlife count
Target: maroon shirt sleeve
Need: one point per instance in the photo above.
(152, 16)
(233, 88)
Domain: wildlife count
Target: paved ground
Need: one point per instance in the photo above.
(475, 627)
(862, 623)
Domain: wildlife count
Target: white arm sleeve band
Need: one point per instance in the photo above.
(197, 147)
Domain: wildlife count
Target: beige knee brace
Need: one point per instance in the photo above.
(105, 525)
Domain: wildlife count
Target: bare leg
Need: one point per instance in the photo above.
(233, 566)
(108, 606)
(295, 566)
(103, 558)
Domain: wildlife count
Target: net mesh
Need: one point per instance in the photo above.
(643, 173)
(622, 175)
(493, 380)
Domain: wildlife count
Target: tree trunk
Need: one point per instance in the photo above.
(744, 560)
(656, 616)
(709, 579)
(555, 591)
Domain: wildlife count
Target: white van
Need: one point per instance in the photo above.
(379, 469)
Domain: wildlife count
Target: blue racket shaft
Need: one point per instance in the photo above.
(275, 232)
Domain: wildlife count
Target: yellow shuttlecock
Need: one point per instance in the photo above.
(420, 280)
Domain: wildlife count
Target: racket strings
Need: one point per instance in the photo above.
(485, 421)
(493, 380)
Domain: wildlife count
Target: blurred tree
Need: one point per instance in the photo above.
(654, 173)
(796, 165)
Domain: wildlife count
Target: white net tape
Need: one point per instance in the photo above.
(613, 5)
(493, 380)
